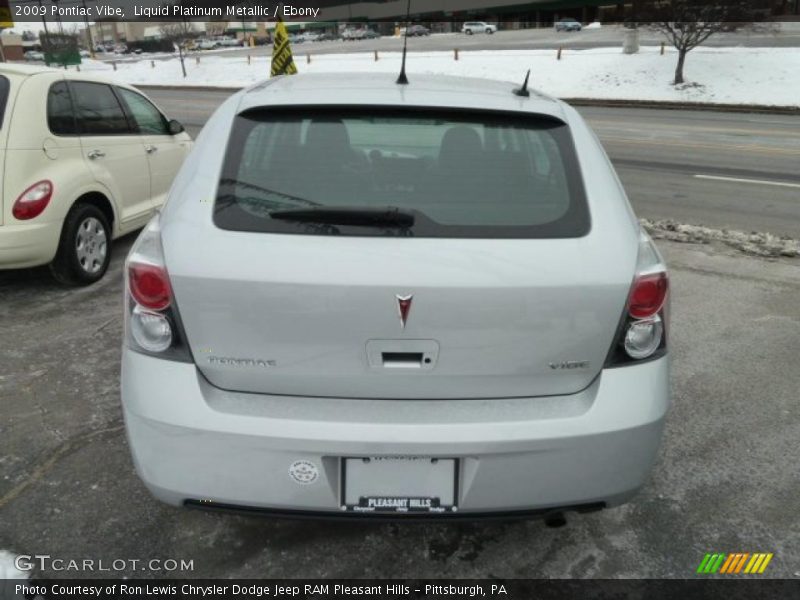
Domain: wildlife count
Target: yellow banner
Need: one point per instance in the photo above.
(282, 60)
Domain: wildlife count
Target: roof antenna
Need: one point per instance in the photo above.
(402, 79)
(523, 91)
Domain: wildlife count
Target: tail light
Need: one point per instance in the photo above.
(33, 201)
(642, 332)
(152, 321)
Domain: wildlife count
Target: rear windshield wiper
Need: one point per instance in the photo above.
(344, 215)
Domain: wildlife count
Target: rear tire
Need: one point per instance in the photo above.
(468, 32)
(84, 249)
(489, 31)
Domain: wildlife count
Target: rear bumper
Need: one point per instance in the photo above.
(192, 441)
(28, 245)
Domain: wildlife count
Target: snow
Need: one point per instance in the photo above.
(7, 568)
(595, 25)
(763, 76)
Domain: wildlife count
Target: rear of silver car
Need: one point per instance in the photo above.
(400, 309)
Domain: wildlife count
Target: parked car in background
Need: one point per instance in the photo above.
(370, 34)
(417, 30)
(85, 54)
(568, 25)
(205, 44)
(471, 27)
(85, 161)
(227, 42)
(120, 49)
(327, 37)
(34, 55)
(466, 318)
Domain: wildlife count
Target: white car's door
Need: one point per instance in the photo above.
(165, 152)
(113, 151)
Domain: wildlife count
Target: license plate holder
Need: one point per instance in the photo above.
(399, 484)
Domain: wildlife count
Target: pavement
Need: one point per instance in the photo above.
(719, 169)
(725, 479)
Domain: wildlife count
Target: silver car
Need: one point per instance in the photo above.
(374, 300)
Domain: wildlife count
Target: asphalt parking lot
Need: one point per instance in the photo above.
(726, 479)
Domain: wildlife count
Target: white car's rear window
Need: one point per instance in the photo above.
(453, 174)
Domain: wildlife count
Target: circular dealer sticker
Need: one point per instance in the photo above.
(303, 471)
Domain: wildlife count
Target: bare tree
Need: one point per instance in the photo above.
(178, 32)
(688, 23)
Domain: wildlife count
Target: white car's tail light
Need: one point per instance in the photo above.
(32, 202)
(643, 337)
(642, 332)
(149, 285)
(152, 331)
(152, 323)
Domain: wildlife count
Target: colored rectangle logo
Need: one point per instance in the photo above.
(734, 563)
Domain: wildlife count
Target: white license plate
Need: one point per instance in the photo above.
(399, 484)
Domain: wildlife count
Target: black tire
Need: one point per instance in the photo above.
(468, 32)
(72, 266)
(489, 31)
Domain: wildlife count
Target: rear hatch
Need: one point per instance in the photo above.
(389, 254)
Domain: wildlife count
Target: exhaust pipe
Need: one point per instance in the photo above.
(554, 520)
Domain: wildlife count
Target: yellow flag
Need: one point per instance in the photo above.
(6, 20)
(282, 61)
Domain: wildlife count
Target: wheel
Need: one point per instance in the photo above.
(84, 249)
(490, 31)
(468, 32)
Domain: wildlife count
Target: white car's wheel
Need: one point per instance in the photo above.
(489, 30)
(84, 250)
(468, 31)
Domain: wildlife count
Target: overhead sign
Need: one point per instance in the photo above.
(5, 15)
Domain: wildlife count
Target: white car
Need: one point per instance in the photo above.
(376, 299)
(84, 161)
(471, 27)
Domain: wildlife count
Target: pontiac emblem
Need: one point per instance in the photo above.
(403, 308)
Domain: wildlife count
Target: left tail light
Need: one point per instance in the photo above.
(152, 322)
(642, 331)
(32, 202)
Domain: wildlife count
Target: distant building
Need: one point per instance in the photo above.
(12, 48)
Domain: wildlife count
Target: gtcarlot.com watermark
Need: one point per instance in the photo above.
(46, 562)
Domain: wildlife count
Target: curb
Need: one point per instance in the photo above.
(704, 106)
(648, 104)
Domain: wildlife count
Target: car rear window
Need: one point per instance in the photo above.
(460, 174)
(4, 87)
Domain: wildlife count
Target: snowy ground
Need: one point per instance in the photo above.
(8, 569)
(763, 76)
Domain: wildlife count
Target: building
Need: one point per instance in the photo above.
(522, 13)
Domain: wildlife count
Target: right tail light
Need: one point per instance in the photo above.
(642, 331)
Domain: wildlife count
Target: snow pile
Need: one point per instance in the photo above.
(8, 569)
(755, 243)
(762, 76)
(595, 25)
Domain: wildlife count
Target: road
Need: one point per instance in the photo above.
(723, 170)
(524, 39)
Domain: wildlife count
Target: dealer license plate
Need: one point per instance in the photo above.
(399, 484)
